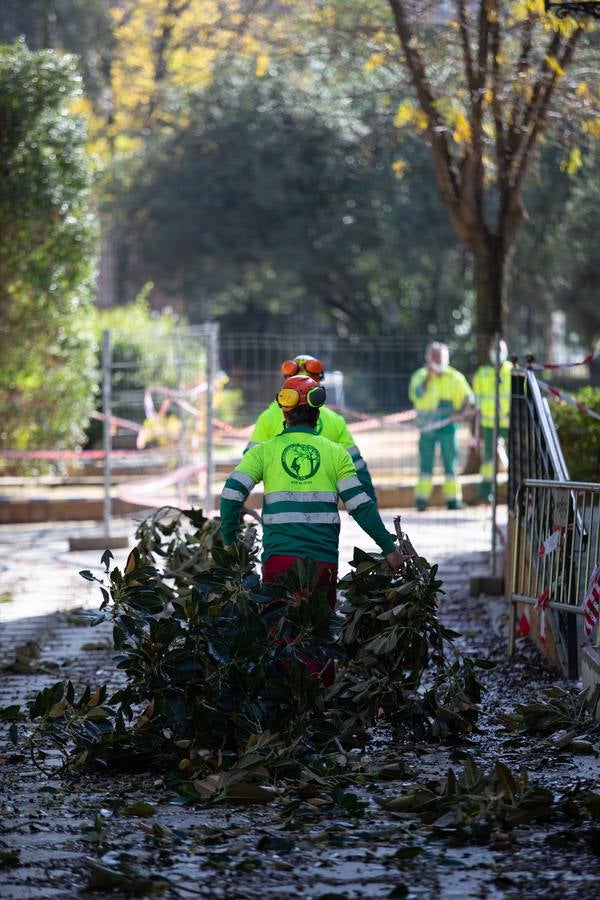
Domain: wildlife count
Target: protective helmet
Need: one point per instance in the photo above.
(300, 390)
(303, 365)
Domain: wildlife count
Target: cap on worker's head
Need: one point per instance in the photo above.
(300, 390)
(303, 365)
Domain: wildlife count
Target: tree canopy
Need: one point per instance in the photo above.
(372, 163)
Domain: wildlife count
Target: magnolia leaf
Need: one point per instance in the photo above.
(139, 809)
(251, 793)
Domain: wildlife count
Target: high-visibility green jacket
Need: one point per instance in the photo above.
(330, 424)
(484, 385)
(442, 396)
(304, 476)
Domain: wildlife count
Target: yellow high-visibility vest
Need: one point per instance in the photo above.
(484, 386)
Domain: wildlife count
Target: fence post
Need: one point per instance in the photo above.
(106, 434)
(497, 365)
(211, 366)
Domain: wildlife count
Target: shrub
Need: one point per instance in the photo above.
(579, 435)
(47, 253)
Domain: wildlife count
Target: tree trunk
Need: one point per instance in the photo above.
(489, 265)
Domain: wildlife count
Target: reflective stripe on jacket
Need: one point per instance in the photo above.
(304, 476)
(330, 425)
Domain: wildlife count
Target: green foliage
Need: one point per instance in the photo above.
(281, 202)
(47, 245)
(579, 435)
(555, 259)
(80, 27)
(560, 715)
(472, 805)
(143, 353)
(221, 674)
(397, 647)
(215, 668)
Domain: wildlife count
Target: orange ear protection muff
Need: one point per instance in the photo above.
(301, 390)
(289, 368)
(303, 365)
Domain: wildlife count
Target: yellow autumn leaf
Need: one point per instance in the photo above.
(554, 65)
(262, 65)
(592, 126)
(399, 167)
(582, 89)
(374, 61)
(422, 119)
(405, 114)
(462, 130)
(573, 162)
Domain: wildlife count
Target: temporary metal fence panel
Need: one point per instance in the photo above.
(535, 452)
(161, 411)
(556, 551)
(367, 379)
(534, 447)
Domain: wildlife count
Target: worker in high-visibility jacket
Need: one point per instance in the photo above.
(304, 476)
(484, 387)
(330, 424)
(438, 392)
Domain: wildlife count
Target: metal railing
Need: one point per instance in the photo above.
(537, 461)
(556, 548)
(534, 447)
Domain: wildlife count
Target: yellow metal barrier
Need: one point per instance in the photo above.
(556, 549)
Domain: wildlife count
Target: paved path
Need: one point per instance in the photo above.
(38, 574)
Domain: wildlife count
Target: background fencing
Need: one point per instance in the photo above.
(160, 405)
(182, 409)
(367, 379)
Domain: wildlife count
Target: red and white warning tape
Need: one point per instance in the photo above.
(63, 454)
(591, 602)
(556, 394)
(595, 354)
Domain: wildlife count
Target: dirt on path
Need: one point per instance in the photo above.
(59, 837)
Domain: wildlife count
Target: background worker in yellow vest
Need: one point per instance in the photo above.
(304, 475)
(484, 387)
(330, 424)
(437, 391)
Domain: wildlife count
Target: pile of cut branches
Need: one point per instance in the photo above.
(216, 683)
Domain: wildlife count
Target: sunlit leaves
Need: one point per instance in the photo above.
(462, 130)
(408, 113)
(47, 242)
(262, 65)
(572, 163)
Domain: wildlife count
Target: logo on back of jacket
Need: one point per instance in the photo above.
(301, 461)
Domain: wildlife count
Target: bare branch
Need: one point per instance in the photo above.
(442, 159)
(529, 111)
(522, 66)
(466, 44)
(537, 114)
(501, 157)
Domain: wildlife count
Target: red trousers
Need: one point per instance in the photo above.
(327, 577)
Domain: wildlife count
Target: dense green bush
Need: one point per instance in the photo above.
(47, 252)
(579, 435)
